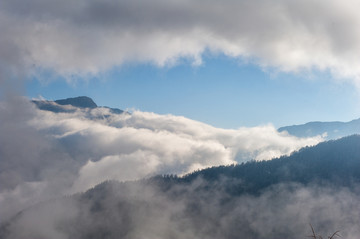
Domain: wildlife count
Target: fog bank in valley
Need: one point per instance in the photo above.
(46, 155)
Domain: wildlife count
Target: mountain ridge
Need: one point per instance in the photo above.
(79, 101)
(62, 105)
(330, 130)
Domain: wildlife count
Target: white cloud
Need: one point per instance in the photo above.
(116, 167)
(127, 147)
(46, 155)
(89, 37)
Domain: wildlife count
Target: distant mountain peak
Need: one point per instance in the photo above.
(80, 101)
(83, 102)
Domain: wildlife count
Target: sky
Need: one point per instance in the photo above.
(223, 92)
(228, 64)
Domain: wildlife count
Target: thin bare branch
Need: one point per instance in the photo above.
(335, 234)
(320, 237)
(313, 232)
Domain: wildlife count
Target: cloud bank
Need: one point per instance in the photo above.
(143, 211)
(45, 155)
(90, 37)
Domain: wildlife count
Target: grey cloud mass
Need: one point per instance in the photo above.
(46, 155)
(90, 37)
(143, 211)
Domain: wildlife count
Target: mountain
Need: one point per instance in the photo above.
(70, 105)
(335, 162)
(332, 130)
(267, 199)
(80, 101)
